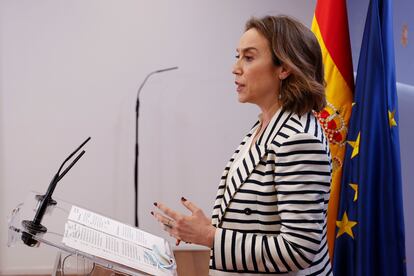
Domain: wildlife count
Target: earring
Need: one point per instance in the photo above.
(280, 88)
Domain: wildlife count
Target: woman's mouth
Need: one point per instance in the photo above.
(239, 86)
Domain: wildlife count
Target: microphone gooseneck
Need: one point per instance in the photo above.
(34, 226)
(136, 137)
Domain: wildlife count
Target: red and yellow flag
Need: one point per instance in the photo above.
(330, 26)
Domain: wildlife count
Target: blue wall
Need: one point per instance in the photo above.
(404, 56)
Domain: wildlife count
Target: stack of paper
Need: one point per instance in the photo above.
(117, 242)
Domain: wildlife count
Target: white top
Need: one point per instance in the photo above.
(244, 151)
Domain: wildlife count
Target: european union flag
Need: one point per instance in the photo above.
(370, 223)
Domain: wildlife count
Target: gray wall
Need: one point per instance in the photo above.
(406, 104)
(70, 69)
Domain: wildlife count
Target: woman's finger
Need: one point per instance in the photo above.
(168, 211)
(189, 205)
(172, 233)
(163, 219)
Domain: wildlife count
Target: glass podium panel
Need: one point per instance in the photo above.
(74, 261)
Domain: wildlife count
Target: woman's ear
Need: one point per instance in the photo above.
(284, 72)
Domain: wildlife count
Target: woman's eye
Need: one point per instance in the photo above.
(247, 58)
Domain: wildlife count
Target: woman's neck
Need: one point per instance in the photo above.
(268, 112)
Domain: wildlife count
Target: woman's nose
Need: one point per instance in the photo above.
(236, 68)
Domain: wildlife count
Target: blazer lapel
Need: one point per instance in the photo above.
(222, 185)
(241, 173)
(249, 163)
(273, 128)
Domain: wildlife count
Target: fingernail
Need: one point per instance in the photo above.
(155, 203)
(183, 198)
(152, 213)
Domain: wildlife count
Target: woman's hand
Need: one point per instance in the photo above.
(195, 228)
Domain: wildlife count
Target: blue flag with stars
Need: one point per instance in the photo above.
(370, 224)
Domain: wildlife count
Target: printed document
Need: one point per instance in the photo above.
(109, 239)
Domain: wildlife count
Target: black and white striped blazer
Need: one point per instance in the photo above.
(271, 216)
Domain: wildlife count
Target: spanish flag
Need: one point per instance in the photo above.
(330, 26)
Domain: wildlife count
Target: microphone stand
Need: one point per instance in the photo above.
(136, 138)
(34, 226)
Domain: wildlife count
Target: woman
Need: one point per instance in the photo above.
(269, 216)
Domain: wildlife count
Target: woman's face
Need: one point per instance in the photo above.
(257, 78)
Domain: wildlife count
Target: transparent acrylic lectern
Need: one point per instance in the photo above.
(81, 263)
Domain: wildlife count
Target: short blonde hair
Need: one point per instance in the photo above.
(293, 44)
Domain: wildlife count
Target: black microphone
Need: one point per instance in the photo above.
(166, 69)
(34, 226)
(145, 80)
(136, 138)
